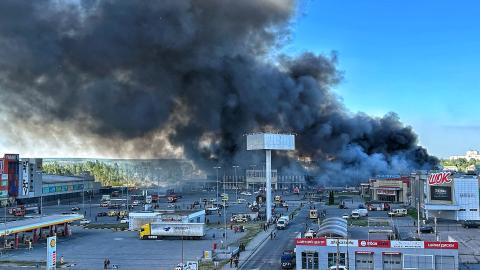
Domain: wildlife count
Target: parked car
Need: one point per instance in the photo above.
(346, 216)
(426, 229)
(135, 203)
(104, 204)
(124, 220)
(355, 215)
(84, 221)
(75, 208)
(102, 214)
(470, 224)
(241, 200)
(246, 193)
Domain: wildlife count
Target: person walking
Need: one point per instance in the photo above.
(271, 235)
(236, 261)
(274, 235)
(231, 262)
(105, 264)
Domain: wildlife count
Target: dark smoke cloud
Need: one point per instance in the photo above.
(153, 77)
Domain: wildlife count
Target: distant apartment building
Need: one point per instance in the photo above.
(469, 155)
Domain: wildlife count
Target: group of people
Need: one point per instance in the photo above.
(106, 263)
(234, 261)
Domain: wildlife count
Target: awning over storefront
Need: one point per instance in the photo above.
(442, 207)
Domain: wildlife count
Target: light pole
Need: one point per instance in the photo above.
(217, 168)
(224, 212)
(236, 181)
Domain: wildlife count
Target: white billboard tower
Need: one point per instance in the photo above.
(269, 142)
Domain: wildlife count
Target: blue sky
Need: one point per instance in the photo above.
(420, 59)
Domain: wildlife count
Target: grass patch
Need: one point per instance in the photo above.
(412, 212)
(113, 226)
(24, 263)
(358, 222)
(205, 265)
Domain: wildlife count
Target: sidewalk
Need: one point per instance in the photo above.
(251, 247)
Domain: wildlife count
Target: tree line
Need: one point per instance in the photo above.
(462, 164)
(108, 175)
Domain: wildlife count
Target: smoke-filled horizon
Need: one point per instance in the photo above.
(184, 79)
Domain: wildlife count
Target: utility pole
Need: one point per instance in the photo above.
(418, 207)
(236, 182)
(83, 193)
(338, 254)
(224, 212)
(217, 168)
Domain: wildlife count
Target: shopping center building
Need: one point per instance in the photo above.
(323, 253)
(389, 188)
(451, 196)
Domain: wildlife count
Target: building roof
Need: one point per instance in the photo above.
(334, 226)
(25, 225)
(54, 179)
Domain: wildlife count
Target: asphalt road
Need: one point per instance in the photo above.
(268, 256)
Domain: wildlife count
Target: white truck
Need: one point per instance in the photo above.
(160, 230)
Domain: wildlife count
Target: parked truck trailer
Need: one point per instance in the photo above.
(159, 230)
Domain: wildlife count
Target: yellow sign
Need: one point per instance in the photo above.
(53, 242)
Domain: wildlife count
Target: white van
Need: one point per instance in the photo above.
(398, 212)
(362, 212)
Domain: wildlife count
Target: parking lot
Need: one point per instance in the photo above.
(88, 248)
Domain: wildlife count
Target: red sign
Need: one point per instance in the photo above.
(439, 178)
(441, 245)
(311, 242)
(374, 243)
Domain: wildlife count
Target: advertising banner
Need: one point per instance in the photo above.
(51, 253)
(406, 244)
(374, 243)
(441, 193)
(311, 242)
(441, 245)
(342, 242)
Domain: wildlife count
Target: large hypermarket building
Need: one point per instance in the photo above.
(451, 196)
(22, 180)
(322, 253)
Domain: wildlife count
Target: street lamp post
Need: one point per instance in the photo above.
(236, 182)
(217, 168)
(224, 212)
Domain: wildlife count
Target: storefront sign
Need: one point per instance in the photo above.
(374, 243)
(341, 242)
(364, 252)
(391, 253)
(386, 192)
(406, 244)
(439, 178)
(52, 253)
(310, 242)
(441, 245)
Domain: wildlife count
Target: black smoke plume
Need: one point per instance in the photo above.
(149, 78)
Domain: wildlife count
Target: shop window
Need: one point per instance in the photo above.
(473, 210)
(462, 210)
(424, 262)
(332, 259)
(309, 260)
